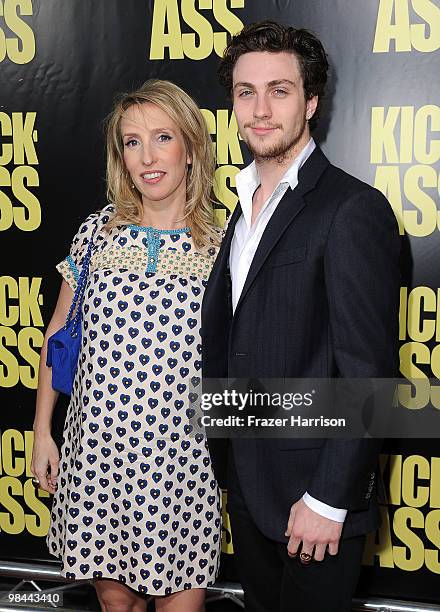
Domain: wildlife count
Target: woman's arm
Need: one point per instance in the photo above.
(45, 456)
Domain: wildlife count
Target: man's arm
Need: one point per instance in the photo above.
(362, 280)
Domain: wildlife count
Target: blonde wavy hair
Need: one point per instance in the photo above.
(181, 108)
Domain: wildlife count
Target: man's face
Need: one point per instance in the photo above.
(269, 104)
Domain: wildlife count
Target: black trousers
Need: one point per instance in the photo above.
(273, 581)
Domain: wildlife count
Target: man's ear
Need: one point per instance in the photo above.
(311, 105)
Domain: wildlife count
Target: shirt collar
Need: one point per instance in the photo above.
(247, 180)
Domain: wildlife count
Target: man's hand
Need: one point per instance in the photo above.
(313, 530)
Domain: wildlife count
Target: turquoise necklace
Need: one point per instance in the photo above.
(153, 241)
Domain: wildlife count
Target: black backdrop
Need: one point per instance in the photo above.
(61, 64)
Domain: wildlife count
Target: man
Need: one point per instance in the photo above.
(305, 286)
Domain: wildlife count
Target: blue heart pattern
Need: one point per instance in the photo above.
(137, 500)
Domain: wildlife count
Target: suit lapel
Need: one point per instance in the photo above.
(288, 208)
(219, 284)
(222, 261)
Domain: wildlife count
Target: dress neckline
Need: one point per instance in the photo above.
(156, 231)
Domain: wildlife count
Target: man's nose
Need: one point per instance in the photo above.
(262, 107)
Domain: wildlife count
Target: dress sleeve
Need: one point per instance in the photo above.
(70, 267)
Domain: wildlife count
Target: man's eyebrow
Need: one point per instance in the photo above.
(243, 84)
(280, 82)
(273, 83)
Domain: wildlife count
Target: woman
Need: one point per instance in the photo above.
(136, 506)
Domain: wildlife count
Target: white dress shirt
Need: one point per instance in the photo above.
(243, 248)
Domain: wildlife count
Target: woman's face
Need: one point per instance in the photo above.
(154, 154)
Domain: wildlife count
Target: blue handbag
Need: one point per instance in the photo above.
(64, 345)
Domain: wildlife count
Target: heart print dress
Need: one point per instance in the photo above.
(136, 499)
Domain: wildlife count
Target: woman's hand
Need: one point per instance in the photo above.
(45, 461)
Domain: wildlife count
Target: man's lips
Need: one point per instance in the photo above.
(261, 129)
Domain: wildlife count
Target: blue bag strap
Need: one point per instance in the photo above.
(80, 289)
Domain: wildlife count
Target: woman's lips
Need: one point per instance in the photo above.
(152, 177)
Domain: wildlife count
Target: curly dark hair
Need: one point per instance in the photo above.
(275, 37)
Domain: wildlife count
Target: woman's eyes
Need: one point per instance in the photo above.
(133, 142)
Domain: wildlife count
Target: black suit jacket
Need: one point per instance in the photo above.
(320, 300)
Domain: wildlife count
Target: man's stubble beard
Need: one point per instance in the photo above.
(281, 150)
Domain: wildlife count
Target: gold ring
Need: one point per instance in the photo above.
(305, 557)
(35, 481)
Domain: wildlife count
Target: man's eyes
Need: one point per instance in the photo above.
(246, 93)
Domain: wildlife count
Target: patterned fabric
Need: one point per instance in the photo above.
(136, 499)
(135, 258)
